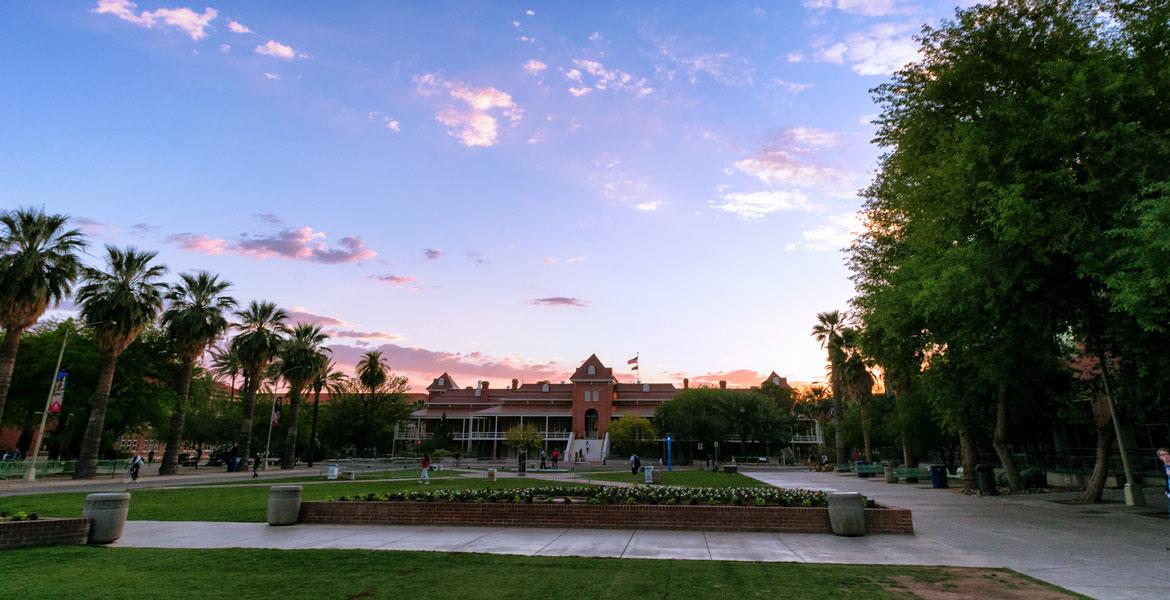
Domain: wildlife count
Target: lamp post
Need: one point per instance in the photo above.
(31, 474)
(669, 454)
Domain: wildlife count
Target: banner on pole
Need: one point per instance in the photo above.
(58, 393)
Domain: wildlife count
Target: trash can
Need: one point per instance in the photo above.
(491, 474)
(938, 477)
(860, 467)
(331, 472)
(985, 479)
(888, 470)
(649, 471)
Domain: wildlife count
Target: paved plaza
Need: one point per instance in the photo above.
(1105, 551)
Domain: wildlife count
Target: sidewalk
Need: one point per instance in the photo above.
(148, 479)
(1104, 551)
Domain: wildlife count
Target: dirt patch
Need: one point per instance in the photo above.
(960, 584)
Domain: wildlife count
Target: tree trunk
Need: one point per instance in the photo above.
(91, 443)
(170, 457)
(313, 428)
(245, 442)
(999, 441)
(842, 456)
(8, 362)
(289, 457)
(1096, 483)
(198, 455)
(865, 430)
(967, 456)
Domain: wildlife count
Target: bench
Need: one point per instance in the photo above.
(869, 469)
(911, 474)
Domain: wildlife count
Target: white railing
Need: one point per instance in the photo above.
(569, 448)
(461, 436)
(808, 439)
(605, 446)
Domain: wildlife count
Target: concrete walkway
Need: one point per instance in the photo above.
(148, 479)
(1103, 551)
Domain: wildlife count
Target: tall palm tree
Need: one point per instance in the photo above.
(325, 376)
(262, 332)
(117, 304)
(827, 331)
(193, 321)
(226, 363)
(372, 372)
(857, 381)
(300, 359)
(38, 264)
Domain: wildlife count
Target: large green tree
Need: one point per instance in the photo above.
(117, 303)
(193, 321)
(38, 264)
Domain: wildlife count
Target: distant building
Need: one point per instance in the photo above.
(570, 416)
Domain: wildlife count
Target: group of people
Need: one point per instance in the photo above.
(546, 458)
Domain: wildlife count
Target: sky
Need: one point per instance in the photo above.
(492, 189)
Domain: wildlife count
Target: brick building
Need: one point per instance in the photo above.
(573, 416)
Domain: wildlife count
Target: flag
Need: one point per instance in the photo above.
(276, 413)
(58, 393)
(634, 368)
(632, 361)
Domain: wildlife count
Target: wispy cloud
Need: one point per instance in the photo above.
(364, 335)
(757, 205)
(190, 22)
(880, 50)
(238, 27)
(432, 253)
(649, 206)
(276, 49)
(786, 158)
(295, 244)
(423, 364)
(603, 78)
(394, 279)
(534, 67)
(722, 67)
(301, 315)
(475, 124)
(561, 301)
(867, 8)
(838, 233)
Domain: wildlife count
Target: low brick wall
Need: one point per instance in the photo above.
(598, 516)
(43, 532)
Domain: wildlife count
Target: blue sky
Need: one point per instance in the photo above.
(492, 189)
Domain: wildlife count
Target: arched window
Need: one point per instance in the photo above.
(544, 387)
(592, 370)
(442, 381)
(775, 381)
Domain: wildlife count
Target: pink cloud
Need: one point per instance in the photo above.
(421, 365)
(364, 335)
(561, 301)
(296, 244)
(394, 279)
(300, 315)
(737, 378)
(195, 242)
(476, 125)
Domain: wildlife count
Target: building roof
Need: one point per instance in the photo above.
(776, 380)
(442, 383)
(525, 410)
(600, 371)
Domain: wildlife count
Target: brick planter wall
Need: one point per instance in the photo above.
(43, 532)
(598, 516)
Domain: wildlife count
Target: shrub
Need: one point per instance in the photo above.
(671, 495)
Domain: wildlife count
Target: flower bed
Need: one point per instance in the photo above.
(676, 508)
(21, 530)
(658, 495)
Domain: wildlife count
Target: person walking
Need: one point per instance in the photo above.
(543, 457)
(150, 457)
(1164, 455)
(556, 456)
(135, 467)
(256, 466)
(424, 476)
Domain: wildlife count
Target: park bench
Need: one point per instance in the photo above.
(869, 469)
(911, 474)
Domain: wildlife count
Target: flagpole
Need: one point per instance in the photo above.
(268, 446)
(31, 474)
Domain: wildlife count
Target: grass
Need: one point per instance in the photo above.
(101, 573)
(370, 476)
(697, 478)
(234, 502)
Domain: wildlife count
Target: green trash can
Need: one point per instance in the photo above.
(985, 479)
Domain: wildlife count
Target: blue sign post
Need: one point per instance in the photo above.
(669, 455)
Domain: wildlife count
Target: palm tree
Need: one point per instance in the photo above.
(325, 376)
(226, 363)
(117, 304)
(261, 333)
(857, 381)
(38, 264)
(300, 359)
(372, 372)
(193, 321)
(827, 331)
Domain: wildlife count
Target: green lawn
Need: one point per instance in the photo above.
(115, 573)
(233, 502)
(698, 478)
(371, 476)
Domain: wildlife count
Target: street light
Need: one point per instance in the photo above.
(31, 474)
(669, 454)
